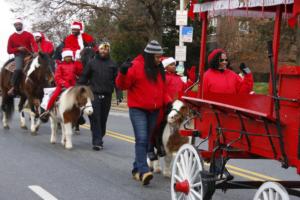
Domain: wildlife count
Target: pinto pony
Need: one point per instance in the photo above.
(67, 111)
(36, 76)
(172, 140)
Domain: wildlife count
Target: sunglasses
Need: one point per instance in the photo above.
(222, 60)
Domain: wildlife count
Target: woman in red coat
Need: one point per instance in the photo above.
(65, 76)
(219, 79)
(144, 80)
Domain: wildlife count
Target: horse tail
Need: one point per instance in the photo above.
(8, 106)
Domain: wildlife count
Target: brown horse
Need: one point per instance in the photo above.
(36, 76)
(71, 104)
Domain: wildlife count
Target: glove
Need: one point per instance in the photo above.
(244, 69)
(119, 95)
(125, 66)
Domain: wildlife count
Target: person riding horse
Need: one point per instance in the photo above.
(46, 46)
(65, 76)
(21, 43)
(78, 40)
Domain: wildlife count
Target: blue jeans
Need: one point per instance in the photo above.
(143, 123)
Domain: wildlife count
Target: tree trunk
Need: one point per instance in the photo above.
(298, 45)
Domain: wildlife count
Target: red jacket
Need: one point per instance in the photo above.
(46, 45)
(142, 93)
(25, 39)
(227, 82)
(67, 73)
(174, 84)
(71, 41)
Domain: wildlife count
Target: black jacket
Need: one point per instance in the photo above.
(100, 74)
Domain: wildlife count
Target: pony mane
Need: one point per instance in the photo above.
(68, 97)
(34, 65)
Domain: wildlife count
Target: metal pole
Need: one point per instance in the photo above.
(202, 54)
(181, 63)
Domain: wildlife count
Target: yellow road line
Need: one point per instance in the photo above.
(252, 173)
(122, 135)
(232, 169)
(120, 138)
(117, 135)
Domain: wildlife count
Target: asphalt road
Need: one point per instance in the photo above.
(30, 166)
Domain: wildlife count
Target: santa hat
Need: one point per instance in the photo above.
(166, 62)
(18, 20)
(67, 52)
(77, 25)
(214, 53)
(37, 34)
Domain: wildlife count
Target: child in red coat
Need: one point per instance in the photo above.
(65, 76)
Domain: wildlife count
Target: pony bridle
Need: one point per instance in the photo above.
(179, 113)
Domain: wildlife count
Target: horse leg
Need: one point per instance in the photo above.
(5, 121)
(167, 164)
(68, 135)
(35, 122)
(156, 166)
(21, 112)
(63, 134)
(53, 122)
(7, 107)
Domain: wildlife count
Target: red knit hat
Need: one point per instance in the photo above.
(214, 53)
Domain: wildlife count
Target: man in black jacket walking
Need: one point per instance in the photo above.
(100, 74)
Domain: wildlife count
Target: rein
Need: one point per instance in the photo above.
(179, 113)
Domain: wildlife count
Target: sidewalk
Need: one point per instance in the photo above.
(121, 107)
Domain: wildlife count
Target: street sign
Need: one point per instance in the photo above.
(181, 17)
(180, 53)
(187, 34)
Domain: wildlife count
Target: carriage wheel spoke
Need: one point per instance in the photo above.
(177, 178)
(196, 184)
(265, 195)
(199, 196)
(181, 174)
(183, 165)
(271, 194)
(277, 196)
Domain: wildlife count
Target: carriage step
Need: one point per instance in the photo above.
(186, 133)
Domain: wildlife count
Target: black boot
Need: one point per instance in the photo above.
(15, 81)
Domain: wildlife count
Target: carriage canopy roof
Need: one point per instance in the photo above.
(265, 5)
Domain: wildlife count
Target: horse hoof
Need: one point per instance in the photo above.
(24, 127)
(167, 174)
(68, 147)
(6, 127)
(157, 170)
(33, 133)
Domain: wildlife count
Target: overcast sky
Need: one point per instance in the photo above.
(6, 29)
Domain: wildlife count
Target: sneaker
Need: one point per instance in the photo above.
(97, 147)
(146, 178)
(136, 176)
